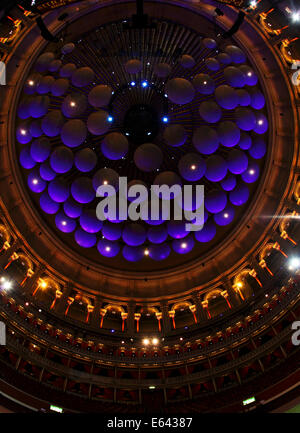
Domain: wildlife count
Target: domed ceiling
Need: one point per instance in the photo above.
(117, 102)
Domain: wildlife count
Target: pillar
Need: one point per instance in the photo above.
(62, 304)
(232, 295)
(165, 317)
(130, 318)
(200, 313)
(4, 258)
(95, 318)
(30, 284)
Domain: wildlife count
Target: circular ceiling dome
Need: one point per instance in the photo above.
(82, 125)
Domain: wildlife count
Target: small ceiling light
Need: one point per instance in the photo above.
(226, 215)
(166, 95)
(72, 104)
(7, 285)
(122, 341)
(144, 84)
(193, 167)
(107, 249)
(253, 3)
(23, 132)
(151, 387)
(148, 133)
(165, 119)
(27, 303)
(260, 122)
(40, 310)
(105, 182)
(249, 74)
(64, 223)
(110, 119)
(296, 17)
(155, 341)
(294, 263)
(43, 284)
(180, 338)
(146, 341)
(146, 252)
(127, 133)
(183, 245)
(204, 82)
(132, 83)
(35, 181)
(251, 171)
(31, 82)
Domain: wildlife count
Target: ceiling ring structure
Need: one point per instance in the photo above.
(275, 185)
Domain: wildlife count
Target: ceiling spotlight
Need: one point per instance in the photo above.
(253, 3)
(43, 284)
(165, 119)
(31, 82)
(35, 181)
(7, 285)
(127, 133)
(260, 122)
(73, 104)
(148, 133)
(151, 387)
(107, 249)
(23, 132)
(132, 83)
(180, 338)
(105, 182)
(146, 252)
(296, 17)
(64, 223)
(226, 215)
(155, 341)
(294, 263)
(183, 245)
(251, 171)
(193, 167)
(146, 341)
(110, 119)
(144, 83)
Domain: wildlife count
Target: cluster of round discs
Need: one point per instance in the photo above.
(63, 106)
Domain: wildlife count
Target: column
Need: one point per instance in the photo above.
(4, 258)
(29, 285)
(62, 304)
(232, 295)
(262, 276)
(200, 313)
(165, 317)
(130, 318)
(95, 319)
